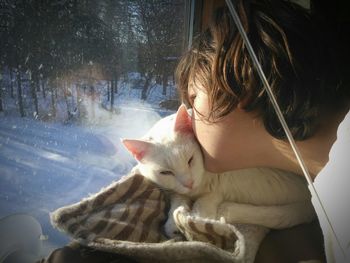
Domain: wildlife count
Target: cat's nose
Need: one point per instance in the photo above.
(189, 184)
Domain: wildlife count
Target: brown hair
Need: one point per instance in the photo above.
(297, 62)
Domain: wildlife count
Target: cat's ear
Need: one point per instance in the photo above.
(183, 122)
(137, 148)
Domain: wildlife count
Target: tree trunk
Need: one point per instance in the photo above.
(11, 84)
(43, 87)
(70, 85)
(37, 81)
(116, 85)
(108, 91)
(79, 99)
(19, 94)
(53, 102)
(56, 92)
(165, 84)
(146, 87)
(112, 95)
(1, 106)
(65, 93)
(33, 88)
(92, 100)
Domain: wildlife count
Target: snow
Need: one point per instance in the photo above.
(46, 165)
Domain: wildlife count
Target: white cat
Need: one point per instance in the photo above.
(170, 156)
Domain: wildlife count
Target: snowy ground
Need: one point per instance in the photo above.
(47, 165)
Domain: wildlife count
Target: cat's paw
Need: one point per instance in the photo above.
(205, 230)
(171, 230)
(200, 210)
(222, 220)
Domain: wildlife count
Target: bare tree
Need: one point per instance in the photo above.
(1, 92)
(52, 39)
(19, 92)
(159, 38)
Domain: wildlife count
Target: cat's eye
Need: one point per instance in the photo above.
(166, 173)
(190, 160)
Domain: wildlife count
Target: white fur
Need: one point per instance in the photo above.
(171, 150)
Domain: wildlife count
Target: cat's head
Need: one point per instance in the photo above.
(170, 155)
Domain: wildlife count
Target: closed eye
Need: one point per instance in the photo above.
(167, 173)
(192, 97)
(190, 160)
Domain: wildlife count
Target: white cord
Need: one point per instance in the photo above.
(280, 117)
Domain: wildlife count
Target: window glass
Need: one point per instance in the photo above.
(75, 77)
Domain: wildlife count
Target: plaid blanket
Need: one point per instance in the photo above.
(127, 217)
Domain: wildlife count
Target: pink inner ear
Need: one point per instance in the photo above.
(183, 122)
(137, 148)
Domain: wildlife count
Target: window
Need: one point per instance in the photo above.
(75, 76)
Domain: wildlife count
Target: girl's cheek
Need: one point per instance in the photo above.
(205, 132)
(208, 134)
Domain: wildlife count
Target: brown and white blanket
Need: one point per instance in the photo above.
(127, 218)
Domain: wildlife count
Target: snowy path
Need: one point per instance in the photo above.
(44, 166)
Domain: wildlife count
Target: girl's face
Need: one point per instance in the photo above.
(209, 134)
(225, 143)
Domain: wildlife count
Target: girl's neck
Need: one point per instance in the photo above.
(315, 150)
(248, 145)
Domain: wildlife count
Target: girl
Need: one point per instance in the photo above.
(234, 121)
